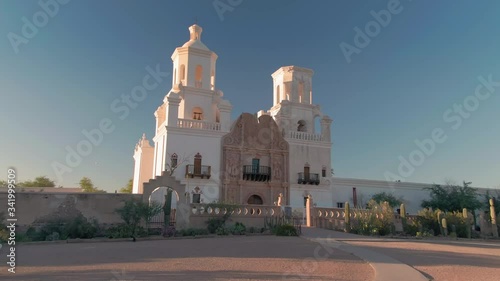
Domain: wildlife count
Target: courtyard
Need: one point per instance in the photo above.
(318, 255)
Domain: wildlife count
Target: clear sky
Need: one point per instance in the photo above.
(395, 89)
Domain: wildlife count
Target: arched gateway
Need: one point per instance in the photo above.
(156, 189)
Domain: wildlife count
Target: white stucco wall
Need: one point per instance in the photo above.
(411, 193)
(316, 155)
(186, 143)
(137, 172)
(321, 196)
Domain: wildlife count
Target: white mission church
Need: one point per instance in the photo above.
(281, 154)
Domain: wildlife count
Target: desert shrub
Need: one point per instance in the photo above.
(411, 227)
(377, 220)
(238, 229)
(455, 221)
(125, 231)
(286, 230)
(134, 212)
(154, 231)
(428, 220)
(272, 223)
(218, 221)
(193, 231)
(222, 231)
(65, 228)
(4, 235)
(170, 231)
(4, 232)
(423, 234)
(214, 224)
(80, 227)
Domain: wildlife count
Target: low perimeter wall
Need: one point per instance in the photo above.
(249, 215)
(32, 208)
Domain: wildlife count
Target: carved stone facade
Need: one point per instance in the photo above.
(254, 162)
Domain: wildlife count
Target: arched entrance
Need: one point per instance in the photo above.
(255, 200)
(159, 196)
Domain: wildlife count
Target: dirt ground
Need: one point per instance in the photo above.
(442, 260)
(231, 258)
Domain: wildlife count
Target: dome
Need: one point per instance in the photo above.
(195, 38)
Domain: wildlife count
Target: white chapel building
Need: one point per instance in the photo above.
(281, 154)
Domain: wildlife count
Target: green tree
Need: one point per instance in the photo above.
(133, 212)
(387, 197)
(3, 183)
(452, 198)
(87, 185)
(148, 211)
(128, 187)
(41, 181)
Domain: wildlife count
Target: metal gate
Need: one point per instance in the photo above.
(158, 221)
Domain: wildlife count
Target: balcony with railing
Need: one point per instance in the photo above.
(256, 173)
(308, 178)
(198, 171)
(305, 136)
(198, 124)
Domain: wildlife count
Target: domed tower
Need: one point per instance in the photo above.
(194, 63)
(192, 118)
(307, 130)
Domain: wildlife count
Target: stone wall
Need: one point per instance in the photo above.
(249, 215)
(34, 208)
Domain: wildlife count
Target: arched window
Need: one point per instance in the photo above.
(301, 126)
(173, 161)
(197, 113)
(183, 73)
(197, 164)
(217, 116)
(278, 97)
(301, 91)
(197, 195)
(198, 76)
(212, 80)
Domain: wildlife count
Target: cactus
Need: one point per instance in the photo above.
(167, 208)
(494, 228)
(347, 218)
(402, 213)
(440, 217)
(465, 214)
(444, 226)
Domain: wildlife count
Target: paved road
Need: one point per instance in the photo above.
(231, 258)
(462, 260)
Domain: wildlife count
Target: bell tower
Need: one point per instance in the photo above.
(293, 84)
(194, 63)
(307, 131)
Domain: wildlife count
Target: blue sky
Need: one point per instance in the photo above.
(395, 90)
